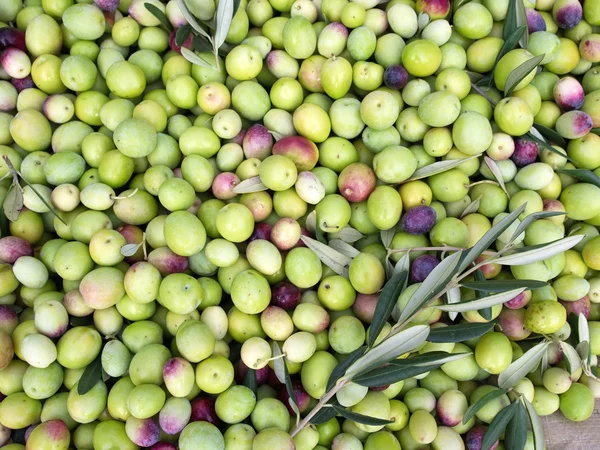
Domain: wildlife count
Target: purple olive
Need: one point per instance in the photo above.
(167, 262)
(12, 37)
(525, 153)
(12, 248)
(567, 13)
(302, 398)
(261, 231)
(21, 84)
(395, 77)
(419, 220)
(203, 408)
(535, 21)
(581, 306)
(258, 142)
(422, 267)
(474, 438)
(285, 295)
(568, 94)
(107, 5)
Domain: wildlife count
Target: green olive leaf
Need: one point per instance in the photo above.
(475, 407)
(583, 328)
(182, 34)
(250, 185)
(324, 414)
(496, 172)
(502, 285)
(521, 72)
(453, 296)
(343, 247)
(587, 176)
(333, 259)
(283, 376)
(250, 380)
(537, 427)
(91, 375)
(13, 203)
(571, 357)
(516, 17)
(343, 365)
(195, 59)
(318, 231)
(459, 333)
(192, 20)
(550, 135)
(360, 418)
(130, 249)
(472, 207)
(511, 42)
(349, 235)
(532, 218)
(223, 20)
(438, 167)
(522, 366)
(388, 298)
(481, 303)
(529, 255)
(387, 236)
(498, 425)
(159, 15)
(516, 431)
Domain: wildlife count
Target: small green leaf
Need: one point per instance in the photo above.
(91, 375)
(481, 303)
(550, 135)
(498, 426)
(159, 15)
(437, 167)
(583, 329)
(587, 176)
(331, 258)
(182, 34)
(475, 407)
(201, 44)
(515, 437)
(13, 203)
(324, 415)
(459, 333)
(223, 21)
(388, 298)
(529, 255)
(250, 380)
(253, 184)
(282, 374)
(387, 236)
(571, 357)
(195, 59)
(360, 418)
(340, 369)
(344, 248)
(522, 366)
(192, 20)
(236, 6)
(511, 42)
(318, 232)
(472, 207)
(520, 73)
(453, 296)
(130, 249)
(349, 234)
(486, 313)
(496, 172)
(596, 131)
(515, 18)
(503, 285)
(537, 427)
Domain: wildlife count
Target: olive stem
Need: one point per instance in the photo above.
(322, 403)
(116, 197)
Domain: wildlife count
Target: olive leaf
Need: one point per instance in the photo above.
(195, 59)
(511, 42)
(587, 176)
(360, 418)
(516, 17)
(282, 374)
(459, 333)
(393, 346)
(571, 357)
(388, 298)
(516, 431)
(522, 366)
(387, 236)
(486, 313)
(537, 427)
(202, 45)
(460, 3)
(325, 414)
(520, 73)
(159, 15)
(481, 303)
(496, 172)
(182, 34)
(318, 231)
(90, 376)
(535, 136)
(190, 19)
(13, 203)
(343, 365)
(529, 255)
(498, 425)
(223, 20)
(389, 268)
(453, 296)
(333, 259)
(437, 167)
(434, 284)
(550, 134)
(583, 350)
(349, 234)
(475, 407)
(472, 207)
(532, 218)
(596, 131)
(343, 247)
(250, 380)
(583, 328)
(503, 285)
(250, 185)
(130, 249)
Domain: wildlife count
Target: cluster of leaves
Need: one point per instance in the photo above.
(207, 36)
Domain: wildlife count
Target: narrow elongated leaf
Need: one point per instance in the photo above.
(192, 20)
(510, 42)
(498, 426)
(283, 376)
(387, 236)
(201, 44)
(539, 140)
(392, 347)
(349, 234)
(475, 407)
(489, 238)
(402, 369)
(503, 285)
(130, 249)
(596, 131)
(537, 427)
(388, 298)
(318, 231)
(223, 21)
(13, 203)
(486, 313)
(583, 350)
(250, 185)
(583, 328)
(159, 15)
(515, 437)
(195, 59)
(496, 172)
(515, 18)
(459, 333)
(529, 256)
(435, 282)
(343, 247)
(476, 77)
(453, 296)
(389, 271)
(360, 418)
(471, 207)
(571, 357)
(341, 368)
(520, 73)
(236, 6)
(587, 176)
(250, 380)
(522, 366)
(437, 167)
(551, 135)
(331, 258)
(532, 218)
(485, 302)
(182, 34)
(326, 413)
(91, 375)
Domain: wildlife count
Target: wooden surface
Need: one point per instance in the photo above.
(562, 434)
